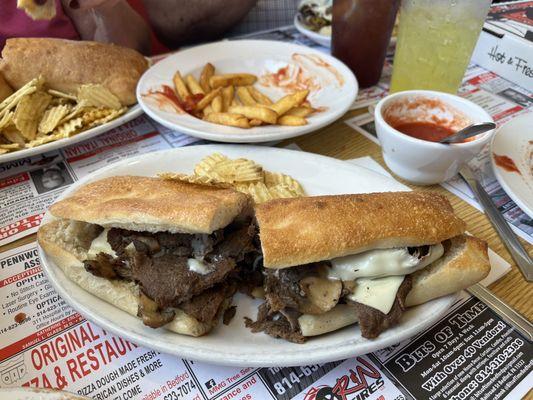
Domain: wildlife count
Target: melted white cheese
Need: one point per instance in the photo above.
(198, 266)
(377, 293)
(380, 263)
(100, 245)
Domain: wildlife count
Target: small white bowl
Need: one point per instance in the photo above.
(420, 161)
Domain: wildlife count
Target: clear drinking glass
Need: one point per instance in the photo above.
(435, 42)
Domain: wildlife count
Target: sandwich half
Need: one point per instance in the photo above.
(331, 261)
(165, 251)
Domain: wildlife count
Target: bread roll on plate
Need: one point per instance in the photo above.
(66, 65)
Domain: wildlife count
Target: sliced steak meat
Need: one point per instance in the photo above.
(106, 266)
(274, 324)
(372, 322)
(282, 286)
(151, 314)
(167, 280)
(237, 243)
(208, 305)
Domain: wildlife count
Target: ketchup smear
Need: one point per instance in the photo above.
(188, 105)
(425, 130)
(506, 163)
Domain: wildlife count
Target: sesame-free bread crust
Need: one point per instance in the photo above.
(152, 204)
(302, 230)
(67, 64)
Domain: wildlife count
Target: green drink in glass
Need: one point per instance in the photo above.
(435, 42)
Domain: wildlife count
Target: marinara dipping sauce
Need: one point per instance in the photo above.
(425, 130)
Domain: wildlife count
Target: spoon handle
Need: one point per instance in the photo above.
(468, 132)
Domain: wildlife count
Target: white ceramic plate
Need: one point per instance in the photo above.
(334, 88)
(323, 40)
(132, 113)
(23, 393)
(235, 344)
(515, 140)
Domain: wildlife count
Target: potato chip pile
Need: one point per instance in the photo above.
(35, 115)
(231, 99)
(242, 174)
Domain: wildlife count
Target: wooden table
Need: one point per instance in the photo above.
(341, 141)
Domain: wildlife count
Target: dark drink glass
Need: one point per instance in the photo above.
(361, 31)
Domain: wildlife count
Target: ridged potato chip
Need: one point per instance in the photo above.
(52, 117)
(281, 192)
(6, 119)
(12, 134)
(98, 96)
(29, 111)
(67, 96)
(273, 179)
(239, 170)
(208, 163)
(197, 179)
(257, 190)
(69, 128)
(101, 116)
(10, 146)
(44, 139)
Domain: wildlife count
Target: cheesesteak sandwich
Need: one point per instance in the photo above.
(166, 251)
(331, 261)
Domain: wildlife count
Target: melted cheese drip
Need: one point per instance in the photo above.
(198, 266)
(380, 263)
(377, 293)
(100, 245)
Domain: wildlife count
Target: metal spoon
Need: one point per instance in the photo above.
(468, 132)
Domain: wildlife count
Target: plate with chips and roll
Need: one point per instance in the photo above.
(56, 92)
(255, 256)
(247, 91)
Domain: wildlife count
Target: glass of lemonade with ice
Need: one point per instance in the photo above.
(435, 42)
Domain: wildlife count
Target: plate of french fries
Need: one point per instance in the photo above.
(36, 119)
(247, 91)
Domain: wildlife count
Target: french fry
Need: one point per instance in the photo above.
(258, 96)
(229, 119)
(235, 102)
(256, 112)
(179, 85)
(289, 101)
(207, 72)
(232, 80)
(227, 97)
(300, 111)
(193, 85)
(255, 122)
(217, 103)
(245, 97)
(208, 110)
(208, 98)
(291, 120)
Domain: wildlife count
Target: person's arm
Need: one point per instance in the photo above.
(177, 22)
(110, 21)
